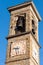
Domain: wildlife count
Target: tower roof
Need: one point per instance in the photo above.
(13, 8)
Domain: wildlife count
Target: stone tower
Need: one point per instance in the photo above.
(23, 47)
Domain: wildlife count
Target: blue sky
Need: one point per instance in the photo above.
(4, 26)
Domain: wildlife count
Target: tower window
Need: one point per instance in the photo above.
(33, 23)
(33, 27)
(33, 31)
(20, 25)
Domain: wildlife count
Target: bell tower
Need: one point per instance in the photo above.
(23, 47)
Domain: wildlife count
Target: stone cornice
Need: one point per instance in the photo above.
(13, 8)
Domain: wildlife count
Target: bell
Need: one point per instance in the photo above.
(20, 22)
(19, 26)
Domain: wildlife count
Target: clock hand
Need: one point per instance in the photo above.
(16, 48)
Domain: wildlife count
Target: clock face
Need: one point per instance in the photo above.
(35, 52)
(18, 47)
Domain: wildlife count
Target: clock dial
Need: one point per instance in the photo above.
(18, 47)
(35, 51)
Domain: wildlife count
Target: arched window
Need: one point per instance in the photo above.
(20, 25)
(33, 27)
